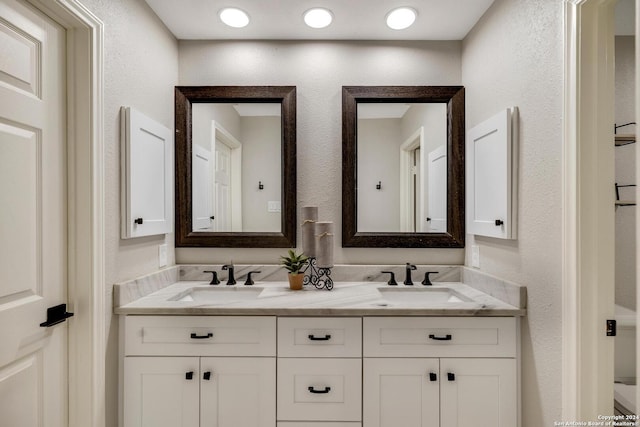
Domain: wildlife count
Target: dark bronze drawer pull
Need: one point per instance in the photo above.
(195, 336)
(315, 338)
(325, 391)
(445, 338)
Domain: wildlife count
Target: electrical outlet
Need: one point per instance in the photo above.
(162, 255)
(475, 256)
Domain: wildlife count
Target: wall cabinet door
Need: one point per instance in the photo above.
(492, 176)
(478, 392)
(238, 392)
(161, 392)
(401, 392)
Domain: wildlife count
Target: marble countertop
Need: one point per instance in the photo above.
(346, 299)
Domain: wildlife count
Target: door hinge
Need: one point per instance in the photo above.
(56, 314)
(611, 328)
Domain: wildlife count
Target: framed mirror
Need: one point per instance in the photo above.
(235, 166)
(403, 166)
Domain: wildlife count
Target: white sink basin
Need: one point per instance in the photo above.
(213, 295)
(421, 296)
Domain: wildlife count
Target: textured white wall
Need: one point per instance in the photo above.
(319, 70)
(140, 70)
(513, 56)
(625, 173)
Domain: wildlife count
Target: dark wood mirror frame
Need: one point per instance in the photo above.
(453, 96)
(185, 96)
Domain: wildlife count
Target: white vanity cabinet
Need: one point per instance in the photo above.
(319, 372)
(192, 371)
(440, 372)
(357, 371)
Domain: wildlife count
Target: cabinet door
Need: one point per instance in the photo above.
(238, 392)
(146, 175)
(161, 392)
(491, 172)
(478, 392)
(401, 392)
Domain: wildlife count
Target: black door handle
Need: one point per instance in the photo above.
(325, 391)
(315, 338)
(56, 314)
(195, 336)
(206, 376)
(189, 375)
(445, 338)
(138, 221)
(451, 376)
(433, 376)
(499, 222)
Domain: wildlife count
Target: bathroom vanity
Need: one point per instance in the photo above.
(365, 354)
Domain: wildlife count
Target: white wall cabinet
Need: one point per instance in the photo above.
(491, 176)
(146, 178)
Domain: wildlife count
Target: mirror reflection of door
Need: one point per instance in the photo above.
(437, 211)
(222, 188)
(202, 190)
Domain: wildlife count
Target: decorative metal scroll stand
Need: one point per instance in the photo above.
(318, 277)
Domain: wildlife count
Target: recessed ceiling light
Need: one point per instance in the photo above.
(234, 17)
(401, 18)
(318, 17)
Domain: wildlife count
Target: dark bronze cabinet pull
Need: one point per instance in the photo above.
(451, 376)
(315, 338)
(189, 375)
(324, 391)
(433, 376)
(195, 336)
(445, 338)
(206, 376)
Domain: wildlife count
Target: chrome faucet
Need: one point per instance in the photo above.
(231, 280)
(407, 280)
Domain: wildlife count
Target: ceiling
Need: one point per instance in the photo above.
(353, 19)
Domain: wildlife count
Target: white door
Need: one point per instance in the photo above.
(161, 392)
(401, 392)
(238, 392)
(478, 392)
(437, 171)
(33, 228)
(202, 189)
(222, 209)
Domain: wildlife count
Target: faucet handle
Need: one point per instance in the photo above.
(411, 266)
(249, 280)
(227, 266)
(427, 281)
(392, 279)
(214, 279)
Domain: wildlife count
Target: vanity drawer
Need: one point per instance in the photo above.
(439, 337)
(200, 335)
(317, 424)
(319, 337)
(319, 389)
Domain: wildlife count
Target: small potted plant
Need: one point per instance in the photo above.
(294, 263)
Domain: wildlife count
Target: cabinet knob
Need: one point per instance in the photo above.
(206, 376)
(433, 376)
(499, 222)
(189, 375)
(451, 376)
(138, 221)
